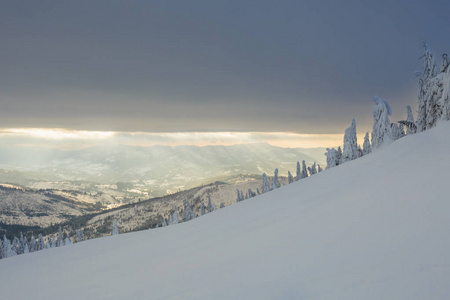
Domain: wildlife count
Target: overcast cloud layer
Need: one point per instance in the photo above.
(161, 66)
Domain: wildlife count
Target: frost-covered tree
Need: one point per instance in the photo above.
(251, 194)
(312, 170)
(60, 240)
(367, 148)
(276, 182)
(40, 243)
(210, 205)
(444, 102)
(299, 172)
(319, 168)
(350, 143)
(67, 241)
(79, 235)
(115, 230)
(381, 130)
(175, 216)
(203, 207)
(290, 178)
(164, 222)
(411, 126)
(445, 63)
(397, 131)
(332, 158)
(304, 170)
(428, 72)
(32, 245)
(265, 183)
(222, 205)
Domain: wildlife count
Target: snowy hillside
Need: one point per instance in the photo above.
(373, 228)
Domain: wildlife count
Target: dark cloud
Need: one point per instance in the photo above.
(302, 66)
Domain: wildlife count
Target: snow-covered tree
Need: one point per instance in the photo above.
(174, 216)
(32, 244)
(304, 170)
(381, 130)
(312, 170)
(276, 182)
(115, 230)
(222, 205)
(332, 158)
(367, 148)
(319, 168)
(428, 72)
(67, 241)
(40, 243)
(350, 143)
(164, 222)
(60, 240)
(445, 63)
(411, 126)
(265, 183)
(290, 178)
(211, 207)
(397, 131)
(444, 102)
(79, 235)
(203, 207)
(299, 172)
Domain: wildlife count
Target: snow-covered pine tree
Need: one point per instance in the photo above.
(397, 131)
(312, 170)
(367, 148)
(332, 158)
(175, 216)
(115, 230)
(299, 172)
(290, 178)
(32, 244)
(428, 72)
(444, 102)
(163, 222)
(445, 63)
(40, 243)
(222, 205)
(276, 182)
(60, 240)
(203, 207)
(242, 195)
(381, 130)
(265, 183)
(350, 143)
(210, 206)
(411, 126)
(67, 241)
(79, 235)
(304, 170)
(319, 168)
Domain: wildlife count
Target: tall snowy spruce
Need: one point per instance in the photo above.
(304, 170)
(411, 126)
(332, 158)
(276, 182)
(367, 148)
(381, 130)
(265, 183)
(312, 170)
(428, 72)
(299, 172)
(290, 177)
(350, 143)
(115, 230)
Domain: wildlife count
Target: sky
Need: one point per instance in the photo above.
(160, 67)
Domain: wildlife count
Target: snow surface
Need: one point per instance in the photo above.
(373, 228)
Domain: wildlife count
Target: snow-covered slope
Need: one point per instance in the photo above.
(373, 228)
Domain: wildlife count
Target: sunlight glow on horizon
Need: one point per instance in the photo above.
(55, 137)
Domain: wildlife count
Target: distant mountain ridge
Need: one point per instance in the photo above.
(145, 171)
